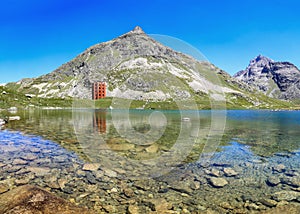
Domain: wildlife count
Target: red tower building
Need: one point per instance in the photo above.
(99, 90)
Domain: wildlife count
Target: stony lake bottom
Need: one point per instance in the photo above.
(138, 161)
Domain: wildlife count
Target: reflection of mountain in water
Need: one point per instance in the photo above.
(265, 132)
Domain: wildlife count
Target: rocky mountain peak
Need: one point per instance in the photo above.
(260, 60)
(257, 64)
(138, 29)
(135, 34)
(275, 79)
(255, 67)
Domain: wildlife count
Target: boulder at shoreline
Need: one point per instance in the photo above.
(32, 199)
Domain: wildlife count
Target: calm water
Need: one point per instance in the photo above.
(234, 161)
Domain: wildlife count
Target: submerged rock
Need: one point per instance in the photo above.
(218, 182)
(229, 172)
(273, 181)
(152, 149)
(31, 199)
(279, 168)
(39, 171)
(290, 208)
(91, 166)
(3, 188)
(292, 181)
(182, 187)
(133, 209)
(213, 172)
(128, 192)
(23, 181)
(268, 202)
(19, 162)
(286, 195)
(110, 173)
(29, 157)
(160, 205)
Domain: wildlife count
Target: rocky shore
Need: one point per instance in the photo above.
(34, 200)
(2, 123)
(6, 119)
(225, 185)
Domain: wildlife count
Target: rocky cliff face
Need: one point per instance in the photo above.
(279, 80)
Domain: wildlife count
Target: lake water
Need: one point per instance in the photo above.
(186, 162)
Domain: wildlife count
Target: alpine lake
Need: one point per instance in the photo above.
(148, 161)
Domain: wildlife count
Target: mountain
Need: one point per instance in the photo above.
(280, 80)
(135, 66)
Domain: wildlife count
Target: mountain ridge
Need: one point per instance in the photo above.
(280, 80)
(137, 67)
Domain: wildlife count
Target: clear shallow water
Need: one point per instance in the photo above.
(157, 155)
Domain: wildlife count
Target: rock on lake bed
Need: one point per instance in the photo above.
(34, 200)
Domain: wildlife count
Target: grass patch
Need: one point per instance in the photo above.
(10, 98)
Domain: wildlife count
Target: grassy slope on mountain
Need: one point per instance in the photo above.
(14, 98)
(10, 97)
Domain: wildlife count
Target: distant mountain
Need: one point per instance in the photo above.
(279, 80)
(137, 67)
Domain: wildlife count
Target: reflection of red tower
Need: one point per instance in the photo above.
(99, 90)
(100, 122)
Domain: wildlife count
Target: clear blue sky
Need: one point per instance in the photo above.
(37, 36)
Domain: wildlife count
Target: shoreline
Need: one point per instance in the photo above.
(222, 186)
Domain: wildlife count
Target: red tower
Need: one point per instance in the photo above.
(99, 90)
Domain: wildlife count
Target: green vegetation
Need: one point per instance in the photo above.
(296, 104)
(12, 98)
(9, 97)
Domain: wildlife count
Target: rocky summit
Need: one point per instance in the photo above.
(279, 80)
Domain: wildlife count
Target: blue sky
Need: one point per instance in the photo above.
(38, 36)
